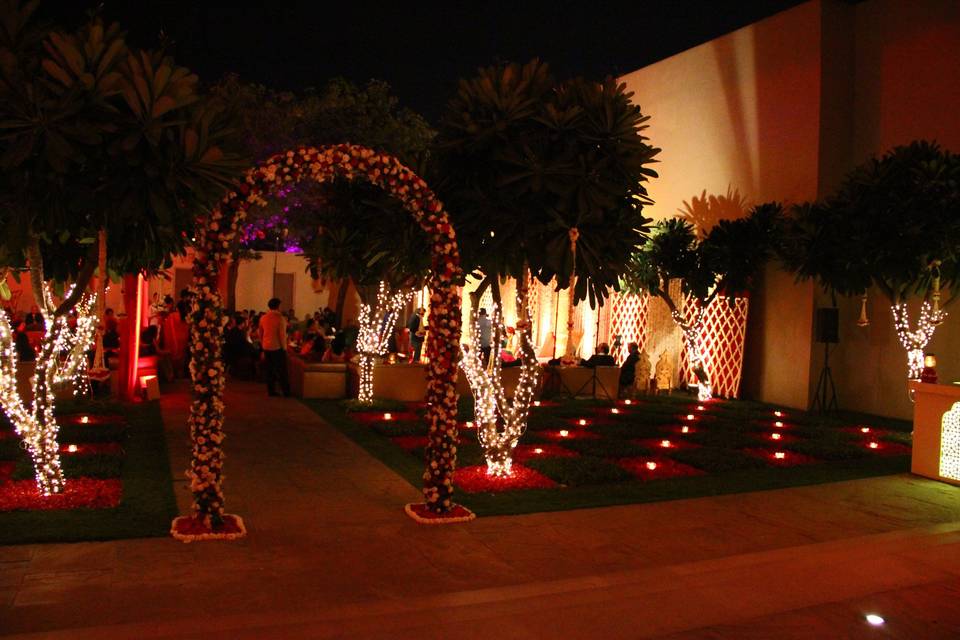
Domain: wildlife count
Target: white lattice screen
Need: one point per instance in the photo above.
(628, 319)
(724, 334)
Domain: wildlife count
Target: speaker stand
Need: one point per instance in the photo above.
(825, 397)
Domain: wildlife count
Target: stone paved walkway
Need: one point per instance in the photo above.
(330, 554)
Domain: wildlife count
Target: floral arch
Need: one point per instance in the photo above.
(215, 237)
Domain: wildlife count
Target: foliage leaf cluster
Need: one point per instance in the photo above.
(96, 135)
(726, 261)
(894, 222)
(524, 158)
(346, 230)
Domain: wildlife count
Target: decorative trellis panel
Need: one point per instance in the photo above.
(533, 307)
(723, 336)
(628, 319)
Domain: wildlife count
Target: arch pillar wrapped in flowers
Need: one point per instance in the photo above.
(215, 237)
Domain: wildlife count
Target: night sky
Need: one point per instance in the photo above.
(420, 48)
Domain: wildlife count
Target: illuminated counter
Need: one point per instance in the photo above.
(936, 431)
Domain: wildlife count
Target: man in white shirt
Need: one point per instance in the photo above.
(273, 341)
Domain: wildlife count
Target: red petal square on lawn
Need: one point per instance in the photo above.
(790, 459)
(543, 404)
(676, 444)
(665, 468)
(91, 419)
(369, 417)
(91, 448)
(475, 480)
(409, 443)
(873, 432)
(601, 416)
(767, 437)
(524, 452)
(80, 493)
(572, 434)
(885, 448)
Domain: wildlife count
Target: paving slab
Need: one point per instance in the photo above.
(330, 554)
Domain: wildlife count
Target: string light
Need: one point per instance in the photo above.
(84, 419)
(564, 433)
(775, 436)
(916, 341)
(536, 403)
(693, 338)
(614, 411)
(779, 414)
(865, 429)
(582, 422)
(62, 359)
(538, 451)
(684, 429)
(628, 401)
(780, 455)
(501, 421)
(376, 325)
(778, 424)
(666, 444)
(690, 416)
(388, 416)
(874, 445)
(651, 466)
(72, 448)
(700, 407)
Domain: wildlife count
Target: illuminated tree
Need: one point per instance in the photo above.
(96, 139)
(725, 262)
(544, 180)
(894, 224)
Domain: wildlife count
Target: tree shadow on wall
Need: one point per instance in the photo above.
(704, 212)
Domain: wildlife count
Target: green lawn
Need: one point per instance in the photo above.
(139, 458)
(728, 448)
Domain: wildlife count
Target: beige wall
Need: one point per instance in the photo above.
(255, 284)
(737, 119)
(782, 110)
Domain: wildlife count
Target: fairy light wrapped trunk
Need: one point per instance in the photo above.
(62, 360)
(376, 324)
(214, 241)
(501, 420)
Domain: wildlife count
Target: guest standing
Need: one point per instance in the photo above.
(417, 332)
(273, 342)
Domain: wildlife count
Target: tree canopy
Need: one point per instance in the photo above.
(726, 261)
(522, 159)
(346, 229)
(95, 135)
(894, 222)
